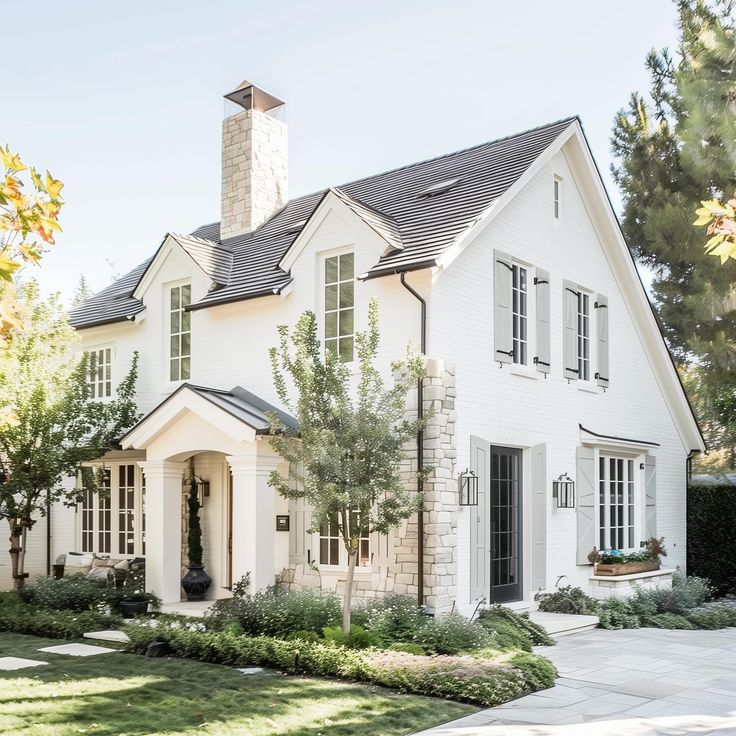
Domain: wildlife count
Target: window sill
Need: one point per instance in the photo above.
(524, 371)
(588, 387)
(343, 569)
(662, 572)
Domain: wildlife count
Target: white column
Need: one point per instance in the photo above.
(163, 528)
(254, 520)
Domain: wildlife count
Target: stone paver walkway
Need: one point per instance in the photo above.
(77, 650)
(638, 682)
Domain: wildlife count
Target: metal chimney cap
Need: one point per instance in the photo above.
(250, 97)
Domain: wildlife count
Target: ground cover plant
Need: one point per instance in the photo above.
(122, 693)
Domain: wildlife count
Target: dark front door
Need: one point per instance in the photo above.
(505, 524)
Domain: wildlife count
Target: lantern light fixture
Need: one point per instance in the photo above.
(563, 490)
(467, 484)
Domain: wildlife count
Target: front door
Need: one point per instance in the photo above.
(505, 508)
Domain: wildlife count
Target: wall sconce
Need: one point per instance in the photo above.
(563, 489)
(203, 490)
(467, 485)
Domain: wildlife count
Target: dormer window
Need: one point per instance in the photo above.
(340, 306)
(439, 188)
(180, 342)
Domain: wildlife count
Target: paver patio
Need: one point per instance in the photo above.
(638, 682)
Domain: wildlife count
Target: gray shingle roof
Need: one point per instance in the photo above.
(420, 228)
(215, 260)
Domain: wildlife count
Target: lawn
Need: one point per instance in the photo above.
(125, 694)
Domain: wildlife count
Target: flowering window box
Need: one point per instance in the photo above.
(626, 568)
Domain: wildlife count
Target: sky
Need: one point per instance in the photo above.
(123, 102)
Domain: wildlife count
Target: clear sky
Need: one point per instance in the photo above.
(123, 101)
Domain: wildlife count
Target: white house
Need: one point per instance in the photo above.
(504, 264)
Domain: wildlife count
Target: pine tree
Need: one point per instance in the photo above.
(674, 148)
(82, 292)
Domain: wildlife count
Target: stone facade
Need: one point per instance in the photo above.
(254, 171)
(395, 571)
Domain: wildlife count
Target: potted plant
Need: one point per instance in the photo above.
(615, 562)
(131, 598)
(196, 582)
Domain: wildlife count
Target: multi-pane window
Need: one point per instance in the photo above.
(557, 197)
(126, 509)
(583, 336)
(340, 306)
(519, 311)
(180, 349)
(100, 373)
(616, 502)
(112, 521)
(332, 550)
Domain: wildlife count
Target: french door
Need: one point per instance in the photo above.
(505, 511)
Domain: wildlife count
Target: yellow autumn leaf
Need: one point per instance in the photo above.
(8, 266)
(53, 186)
(36, 178)
(29, 252)
(11, 160)
(703, 220)
(9, 319)
(714, 241)
(724, 251)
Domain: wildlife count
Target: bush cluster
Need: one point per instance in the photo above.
(513, 631)
(29, 618)
(465, 678)
(568, 600)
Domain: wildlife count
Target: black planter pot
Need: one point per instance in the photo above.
(196, 583)
(131, 609)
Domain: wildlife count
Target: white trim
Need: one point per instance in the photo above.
(615, 443)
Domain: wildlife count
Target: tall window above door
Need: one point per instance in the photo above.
(180, 343)
(520, 313)
(339, 306)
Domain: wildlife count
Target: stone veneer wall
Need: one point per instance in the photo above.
(396, 571)
(254, 171)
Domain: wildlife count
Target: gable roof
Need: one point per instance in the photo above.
(215, 260)
(418, 228)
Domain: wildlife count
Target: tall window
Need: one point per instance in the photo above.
(181, 333)
(583, 336)
(100, 373)
(126, 509)
(340, 306)
(104, 513)
(87, 520)
(616, 503)
(519, 313)
(332, 550)
(557, 197)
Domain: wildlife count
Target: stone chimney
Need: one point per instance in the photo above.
(254, 175)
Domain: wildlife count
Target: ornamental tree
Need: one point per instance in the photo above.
(49, 425)
(28, 221)
(345, 460)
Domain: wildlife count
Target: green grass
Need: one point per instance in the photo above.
(125, 694)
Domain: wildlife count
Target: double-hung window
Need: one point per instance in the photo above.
(520, 314)
(180, 340)
(331, 548)
(100, 373)
(557, 197)
(339, 306)
(583, 341)
(616, 502)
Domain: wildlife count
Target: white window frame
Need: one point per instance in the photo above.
(585, 296)
(557, 198)
(365, 557)
(324, 311)
(97, 382)
(530, 316)
(169, 333)
(632, 481)
(111, 503)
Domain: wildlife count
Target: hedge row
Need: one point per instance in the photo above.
(711, 520)
(463, 678)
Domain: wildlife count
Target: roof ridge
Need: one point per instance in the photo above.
(365, 204)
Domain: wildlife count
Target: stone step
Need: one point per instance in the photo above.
(108, 635)
(563, 624)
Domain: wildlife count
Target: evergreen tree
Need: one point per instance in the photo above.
(345, 460)
(82, 292)
(674, 148)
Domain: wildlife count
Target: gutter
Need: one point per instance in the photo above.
(420, 444)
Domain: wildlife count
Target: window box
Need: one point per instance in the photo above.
(626, 568)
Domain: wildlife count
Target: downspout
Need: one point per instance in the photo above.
(420, 444)
(48, 533)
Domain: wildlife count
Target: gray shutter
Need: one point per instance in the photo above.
(601, 309)
(570, 330)
(539, 517)
(585, 492)
(480, 463)
(542, 359)
(650, 489)
(299, 536)
(503, 346)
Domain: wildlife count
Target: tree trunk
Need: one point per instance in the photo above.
(347, 596)
(18, 532)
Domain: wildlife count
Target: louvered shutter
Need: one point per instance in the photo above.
(502, 305)
(650, 489)
(299, 536)
(539, 517)
(601, 310)
(570, 330)
(542, 359)
(480, 464)
(585, 503)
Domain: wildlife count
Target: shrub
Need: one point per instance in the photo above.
(513, 630)
(459, 678)
(715, 617)
(408, 647)
(539, 672)
(299, 635)
(451, 634)
(358, 638)
(568, 600)
(276, 612)
(666, 621)
(24, 618)
(617, 614)
(73, 593)
(393, 618)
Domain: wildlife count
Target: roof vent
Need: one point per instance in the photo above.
(439, 188)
